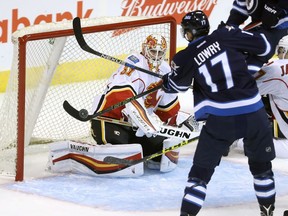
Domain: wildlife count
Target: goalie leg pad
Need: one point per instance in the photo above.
(169, 160)
(58, 150)
(84, 158)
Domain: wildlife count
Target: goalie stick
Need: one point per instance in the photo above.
(127, 162)
(82, 115)
(82, 43)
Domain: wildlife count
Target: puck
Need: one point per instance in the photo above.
(83, 113)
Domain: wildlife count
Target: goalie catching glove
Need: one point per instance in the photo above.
(147, 124)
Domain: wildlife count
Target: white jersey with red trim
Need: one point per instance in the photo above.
(127, 82)
(273, 80)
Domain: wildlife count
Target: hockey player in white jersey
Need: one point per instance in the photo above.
(130, 131)
(272, 81)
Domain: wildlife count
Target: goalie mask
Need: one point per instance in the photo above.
(282, 48)
(154, 49)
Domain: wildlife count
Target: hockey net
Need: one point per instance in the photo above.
(49, 67)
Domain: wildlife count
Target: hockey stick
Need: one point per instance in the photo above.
(82, 115)
(165, 130)
(82, 43)
(127, 162)
(252, 25)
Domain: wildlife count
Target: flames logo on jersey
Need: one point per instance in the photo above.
(152, 100)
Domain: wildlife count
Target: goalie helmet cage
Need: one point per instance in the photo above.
(49, 67)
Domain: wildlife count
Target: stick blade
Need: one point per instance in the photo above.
(115, 160)
(75, 113)
(78, 33)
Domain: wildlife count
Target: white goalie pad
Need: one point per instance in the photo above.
(84, 158)
(169, 160)
(148, 123)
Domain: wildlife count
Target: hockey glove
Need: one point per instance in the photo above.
(191, 124)
(183, 119)
(271, 15)
(147, 124)
(165, 85)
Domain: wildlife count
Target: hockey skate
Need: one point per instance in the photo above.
(185, 214)
(266, 210)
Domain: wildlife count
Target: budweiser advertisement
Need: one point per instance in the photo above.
(15, 15)
(177, 9)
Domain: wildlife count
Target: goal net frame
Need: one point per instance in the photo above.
(55, 31)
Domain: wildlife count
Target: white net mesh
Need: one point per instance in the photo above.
(77, 78)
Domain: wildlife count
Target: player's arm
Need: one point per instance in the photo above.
(238, 13)
(115, 95)
(254, 43)
(181, 76)
(168, 107)
(273, 13)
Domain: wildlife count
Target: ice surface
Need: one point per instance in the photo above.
(230, 191)
(232, 184)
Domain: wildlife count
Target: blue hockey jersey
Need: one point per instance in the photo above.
(217, 66)
(243, 9)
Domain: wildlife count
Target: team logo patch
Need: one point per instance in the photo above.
(251, 6)
(117, 133)
(133, 59)
(268, 149)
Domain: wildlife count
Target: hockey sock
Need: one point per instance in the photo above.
(194, 196)
(264, 187)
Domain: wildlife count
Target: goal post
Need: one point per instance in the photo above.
(49, 67)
